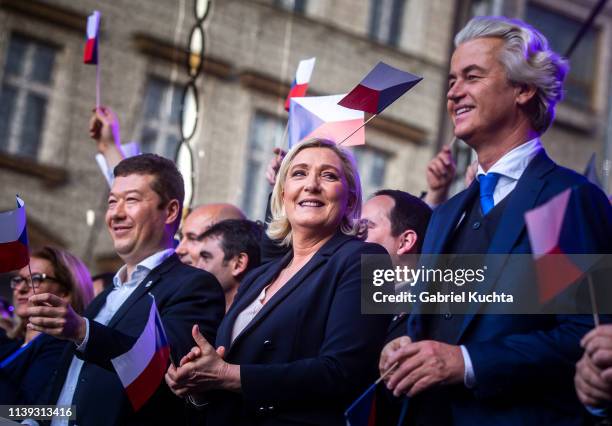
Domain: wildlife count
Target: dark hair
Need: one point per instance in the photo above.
(106, 277)
(167, 183)
(238, 236)
(409, 212)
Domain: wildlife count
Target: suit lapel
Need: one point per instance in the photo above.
(445, 220)
(144, 287)
(313, 264)
(523, 198)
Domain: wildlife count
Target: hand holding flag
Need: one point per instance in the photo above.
(54, 316)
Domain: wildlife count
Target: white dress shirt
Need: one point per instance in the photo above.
(124, 286)
(510, 168)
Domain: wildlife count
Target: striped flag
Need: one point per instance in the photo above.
(142, 368)
(90, 55)
(14, 253)
(300, 83)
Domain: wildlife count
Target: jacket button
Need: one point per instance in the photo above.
(271, 408)
(448, 316)
(261, 409)
(476, 225)
(267, 343)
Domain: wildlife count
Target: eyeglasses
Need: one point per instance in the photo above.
(35, 282)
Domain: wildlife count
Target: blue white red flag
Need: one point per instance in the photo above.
(14, 253)
(382, 86)
(142, 368)
(322, 117)
(362, 411)
(300, 83)
(90, 55)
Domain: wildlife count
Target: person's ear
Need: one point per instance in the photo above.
(407, 241)
(172, 211)
(239, 264)
(525, 93)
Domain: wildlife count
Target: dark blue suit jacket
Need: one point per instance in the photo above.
(184, 296)
(524, 365)
(23, 379)
(309, 351)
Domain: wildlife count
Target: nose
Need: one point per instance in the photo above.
(455, 92)
(118, 210)
(312, 183)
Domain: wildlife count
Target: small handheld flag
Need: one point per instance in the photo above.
(380, 88)
(142, 368)
(322, 117)
(14, 253)
(300, 83)
(90, 55)
(561, 256)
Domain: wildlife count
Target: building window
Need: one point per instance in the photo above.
(266, 133)
(386, 20)
(298, 6)
(158, 128)
(560, 31)
(24, 95)
(372, 165)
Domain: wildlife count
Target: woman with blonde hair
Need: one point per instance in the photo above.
(29, 360)
(294, 347)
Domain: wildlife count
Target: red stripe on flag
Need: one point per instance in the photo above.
(555, 273)
(297, 91)
(13, 255)
(372, 416)
(89, 55)
(362, 98)
(145, 385)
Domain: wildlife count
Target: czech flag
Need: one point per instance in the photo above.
(14, 253)
(90, 55)
(300, 83)
(142, 368)
(380, 88)
(561, 255)
(362, 411)
(322, 117)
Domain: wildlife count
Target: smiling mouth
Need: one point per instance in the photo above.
(311, 203)
(462, 110)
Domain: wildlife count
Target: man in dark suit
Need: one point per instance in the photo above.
(144, 210)
(504, 83)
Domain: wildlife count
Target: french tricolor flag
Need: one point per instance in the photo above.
(14, 252)
(90, 55)
(142, 368)
(300, 83)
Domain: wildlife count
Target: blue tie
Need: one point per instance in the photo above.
(487, 186)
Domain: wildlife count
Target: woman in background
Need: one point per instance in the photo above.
(25, 368)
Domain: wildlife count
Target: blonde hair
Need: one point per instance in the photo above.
(279, 228)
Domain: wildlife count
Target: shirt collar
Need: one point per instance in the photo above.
(142, 268)
(513, 163)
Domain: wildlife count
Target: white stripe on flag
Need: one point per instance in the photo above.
(93, 24)
(132, 363)
(304, 71)
(12, 223)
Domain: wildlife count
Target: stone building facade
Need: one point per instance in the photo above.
(251, 50)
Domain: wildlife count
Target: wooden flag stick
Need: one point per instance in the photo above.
(31, 280)
(386, 373)
(357, 129)
(593, 300)
(98, 83)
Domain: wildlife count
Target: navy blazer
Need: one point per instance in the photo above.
(24, 378)
(523, 364)
(309, 351)
(184, 296)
